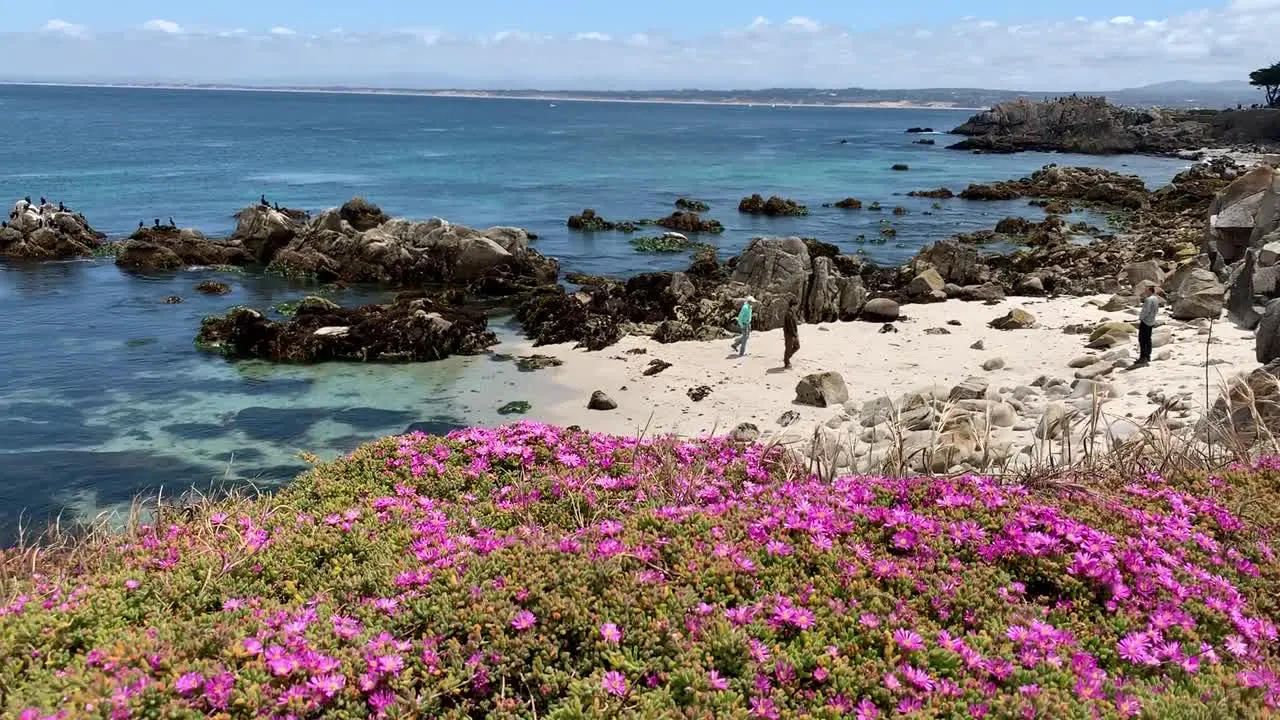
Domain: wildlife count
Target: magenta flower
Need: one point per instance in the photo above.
(132, 584)
(189, 683)
(614, 683)
(524, 620)
(611, 633)
(716, 682)
(908, 640)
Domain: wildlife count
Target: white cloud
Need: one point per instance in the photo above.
(1066, 53)
(804, 23)
(162, 26)
(282, 31)
(63, 27)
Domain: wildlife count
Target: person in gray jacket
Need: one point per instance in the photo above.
(1147, 321)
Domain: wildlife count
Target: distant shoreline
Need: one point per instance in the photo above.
(488, 95)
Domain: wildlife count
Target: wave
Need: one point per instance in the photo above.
(431, 154)
(308, 178)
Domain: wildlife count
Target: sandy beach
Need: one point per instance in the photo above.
(877, 366)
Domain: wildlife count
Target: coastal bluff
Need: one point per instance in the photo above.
(1094, 126)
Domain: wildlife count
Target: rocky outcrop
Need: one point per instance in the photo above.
(1196, 293)
(690, 205)
(589, 221)
(167, 247)
(263, 230)
(46, 232)
(773, 207)
(1087, 125)
(496, 261)
(1068, 183)
(413, 328)
(1245, 214)
(688, 222)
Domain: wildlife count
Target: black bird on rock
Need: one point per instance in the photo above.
(157, 223)
(263, 201)
(28, 199)
(42, 202)
(141, 224)
(61, 207)
(171, 222)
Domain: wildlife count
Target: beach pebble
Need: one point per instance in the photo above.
(601, 401)
(974, 388)
(978, 346)
(1083, 361)
(788, 418)
(993, 364)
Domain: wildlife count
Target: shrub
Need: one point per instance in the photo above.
(534, 572)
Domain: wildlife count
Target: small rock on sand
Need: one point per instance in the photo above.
(993, 364)
(822, 390)
(601, 401)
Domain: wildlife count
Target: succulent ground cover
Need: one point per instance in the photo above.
(529, 571)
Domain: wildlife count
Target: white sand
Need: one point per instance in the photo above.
(755, 389)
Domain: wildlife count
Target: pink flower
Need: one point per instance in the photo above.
(524, 620)
(614, 683)
(132, 584)
(188, 683)
(611, 633)
(763, 708)
(716, 682)
(327, 685)
(908, 640)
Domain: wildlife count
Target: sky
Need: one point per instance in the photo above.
(711, 44)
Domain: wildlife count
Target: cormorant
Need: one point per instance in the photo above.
(141, 225)
(157, 222)
(61, 207)
(4, 223)
(263, 201)
(171, 222)
(277, 206)
(28, 199)
(42, 200)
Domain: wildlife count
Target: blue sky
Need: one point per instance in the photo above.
(682, 17)
(654, 44)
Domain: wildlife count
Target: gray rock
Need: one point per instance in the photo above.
(822, 390)
(974, 388)
(788, 418)
(1199, 295)
(1055, 423)
(993, 364)
(1269, 255)
(745, 433)
(979, 345)
(925, 283)
(1030, 285)
(880, 310)
(601, 401)
(1240, 300)
(921, 417)
(1082, 361)
(1096, 370)
(1146, 271)
(1267, 345)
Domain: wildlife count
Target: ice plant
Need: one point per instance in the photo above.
(529, 570)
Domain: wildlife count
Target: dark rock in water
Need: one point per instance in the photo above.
(429, 428)
(927, 141)
(915, 130)
(530, 363)
(213, 287)
(589, 221)
(849, 203)
(43, 232)
(1089, 125)
(687, 222)
(516, 407)
(773, 207)
(939, 194)
(901, 167)
(362, 214)
(1013, 226)
(412, 328)
(691, 205)
(172, 300)
(655, 366)
(167, 247)
(698, 394)
(600, 401)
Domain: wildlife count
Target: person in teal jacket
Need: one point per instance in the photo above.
(744, 326)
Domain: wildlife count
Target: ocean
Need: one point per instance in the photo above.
(103, 395)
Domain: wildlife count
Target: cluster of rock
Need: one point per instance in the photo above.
(774, 206)
(413, 327)
(589, 221)
(701, 302)
(973, 426)
(46, 232)
(1087, 125)
(355, 243)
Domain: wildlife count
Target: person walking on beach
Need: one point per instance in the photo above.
(744, 326)
(790, 334)
(1147, 324)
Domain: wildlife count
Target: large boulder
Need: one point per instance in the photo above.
(1240, 299)
(774, 266)
(1198, 294)
(1248, 413)
(1267, 344)
(1244, 213)
(47, 232)
(773, 207)
(362, 214)
(497, 261)
(413, 327)
(264, 230)
(143, 249)
(822, 390)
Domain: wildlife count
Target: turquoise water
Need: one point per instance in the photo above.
(103, 395)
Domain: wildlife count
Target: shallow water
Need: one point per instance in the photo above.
(103, 395)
